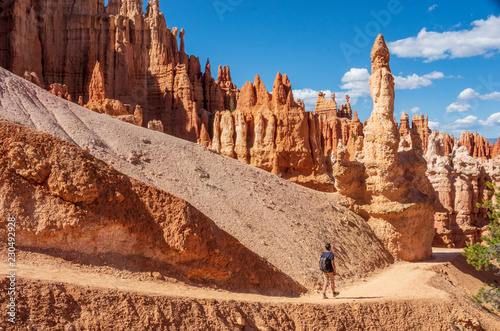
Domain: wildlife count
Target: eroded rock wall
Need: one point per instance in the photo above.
(141, 60)
(459, 183)
(271, 131)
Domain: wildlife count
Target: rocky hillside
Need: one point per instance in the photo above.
(284, 223)
(144, 62)
(65, 200)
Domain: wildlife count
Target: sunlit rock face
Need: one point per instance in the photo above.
(397, 206)
(459, 182)
(143, 62)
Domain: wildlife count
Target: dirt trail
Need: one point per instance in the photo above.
(55, 294)
(401, 281)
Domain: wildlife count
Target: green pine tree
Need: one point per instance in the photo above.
(487, 255)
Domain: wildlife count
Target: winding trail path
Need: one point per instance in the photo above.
(401, 281)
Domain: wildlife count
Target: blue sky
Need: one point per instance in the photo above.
(444, 55)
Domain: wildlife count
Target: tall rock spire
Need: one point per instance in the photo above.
(381, 132)
(97, 89)
(399, 210)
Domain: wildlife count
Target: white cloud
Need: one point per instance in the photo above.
(493, 119)
(470, 94)
(467, 120)
(471, 123)
(415, 81)
(467, 94)
(431, 8)
(482, 39)
(458, 107)
(467, 123)
(433, 125)
(356, 81)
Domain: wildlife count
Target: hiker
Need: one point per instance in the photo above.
(327, 265)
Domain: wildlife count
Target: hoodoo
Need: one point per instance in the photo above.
(399, 212)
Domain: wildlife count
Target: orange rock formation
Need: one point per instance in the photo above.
(459, 182)
(404, 125)
(478, 146)
(78, 204)
(421, 124)
(398, 208)
(60, 90)
(99, 102)
(338, 127)
(272, 132)
(141, 59)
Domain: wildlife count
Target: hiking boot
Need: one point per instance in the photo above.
(324, 296)
(335, 294)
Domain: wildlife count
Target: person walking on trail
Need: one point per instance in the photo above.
(327, 265)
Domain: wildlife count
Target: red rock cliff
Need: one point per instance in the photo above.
(141, 59)
(272, 132)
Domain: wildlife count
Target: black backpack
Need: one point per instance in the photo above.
(325, 262)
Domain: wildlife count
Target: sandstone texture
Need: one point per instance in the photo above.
(272, 217)
(142, 62)
(399, 210)
(274, 133)
(66, 200)
(459, 182)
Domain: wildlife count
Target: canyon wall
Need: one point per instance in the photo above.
(118, 60)
(274, 133)
(142, 62)
(459, 182)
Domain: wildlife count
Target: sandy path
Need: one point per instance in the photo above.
(400, 281)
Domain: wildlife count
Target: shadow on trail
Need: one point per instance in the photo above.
(488, 277)
(440, 257)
